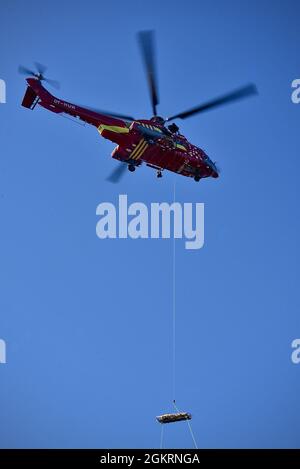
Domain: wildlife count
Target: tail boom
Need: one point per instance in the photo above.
(37, 94)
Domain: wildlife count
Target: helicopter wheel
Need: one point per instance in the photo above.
(131, 168)
(159, 174)
(197, 178)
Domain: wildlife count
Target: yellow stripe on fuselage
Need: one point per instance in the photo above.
(181, 147)
(140, 150)
(113, 128)
(135, 151)
(151, 127)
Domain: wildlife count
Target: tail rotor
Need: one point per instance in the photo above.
(39, 74)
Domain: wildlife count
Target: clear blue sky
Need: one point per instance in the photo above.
(88, 322)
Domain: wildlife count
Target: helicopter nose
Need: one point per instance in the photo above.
(213, 167)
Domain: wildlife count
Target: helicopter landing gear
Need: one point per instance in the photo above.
(197, 178)
(131, 168)
(159, 173)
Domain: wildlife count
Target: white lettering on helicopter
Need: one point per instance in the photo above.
(2, 351)
(62, 103)
(295, 97)
(2, 92)
(114, 221)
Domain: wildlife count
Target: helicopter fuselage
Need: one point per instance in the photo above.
(139, 141)
(154, 145)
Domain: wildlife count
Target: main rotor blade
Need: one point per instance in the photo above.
(117, 173)
(107, 113)
(225, 99)
(146, 42)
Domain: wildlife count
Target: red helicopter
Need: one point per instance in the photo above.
(138, 141)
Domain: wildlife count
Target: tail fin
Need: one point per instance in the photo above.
(34, 92)
(30, 98)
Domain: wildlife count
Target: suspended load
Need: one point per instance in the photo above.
(177, 417)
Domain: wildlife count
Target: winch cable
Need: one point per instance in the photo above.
(189, 425)
(174, 328)
(174, 332)
(173, 317)
(174, 303)
(162, 437)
